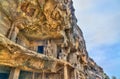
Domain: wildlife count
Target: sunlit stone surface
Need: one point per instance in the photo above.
(40, 39)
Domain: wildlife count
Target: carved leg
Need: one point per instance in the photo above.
(65, 38)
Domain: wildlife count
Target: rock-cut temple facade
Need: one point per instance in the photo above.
(40, 39)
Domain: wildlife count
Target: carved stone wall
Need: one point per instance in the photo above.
(27, 24)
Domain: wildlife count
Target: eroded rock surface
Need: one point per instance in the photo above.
(42, 37)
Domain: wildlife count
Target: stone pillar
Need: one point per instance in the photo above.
(10, 31)
(14, 73)
(43, 75)
(54, 49)
(75, 74)
(33, 75)
(65, 72)
(14, 34)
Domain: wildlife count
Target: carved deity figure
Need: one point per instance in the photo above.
(51, 49)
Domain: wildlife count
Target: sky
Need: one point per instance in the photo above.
(100, 23)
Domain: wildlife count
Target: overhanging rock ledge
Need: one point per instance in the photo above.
(40, 39)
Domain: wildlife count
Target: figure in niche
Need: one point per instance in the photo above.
(72, 58)
(63, 54)
(65, 44)
(76, 42)
(48, 51)
(84, 59)
(51, 49)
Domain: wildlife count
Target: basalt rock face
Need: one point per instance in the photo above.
(40, 39)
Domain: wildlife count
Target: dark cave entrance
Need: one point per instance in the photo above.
(40, 49)
(4, 75)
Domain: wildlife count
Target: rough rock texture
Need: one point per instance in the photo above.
(50, 28)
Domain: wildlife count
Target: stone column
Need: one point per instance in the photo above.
(75, 74)
(14, 34)
(33, 75)
(43, 75)
(14, 73)
(10, 31)
(65, 72)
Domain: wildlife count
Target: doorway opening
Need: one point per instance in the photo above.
(40, 49)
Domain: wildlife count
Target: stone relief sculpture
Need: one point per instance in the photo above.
(41, 39)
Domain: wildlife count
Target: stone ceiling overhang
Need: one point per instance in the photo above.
(14, 55)
(37, 19)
